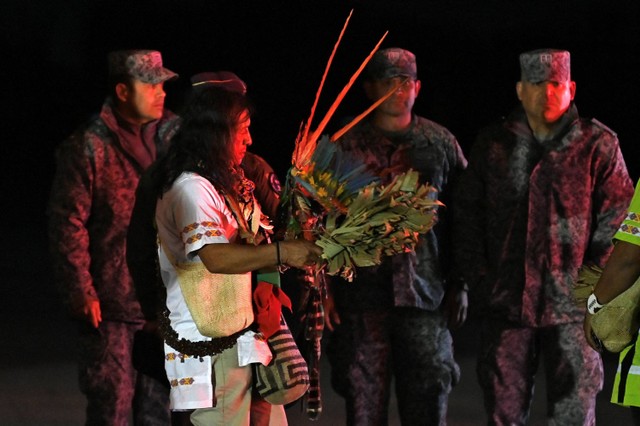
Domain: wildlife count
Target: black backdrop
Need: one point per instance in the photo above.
(54, 63)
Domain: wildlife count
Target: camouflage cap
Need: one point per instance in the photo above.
(143, 65)
(392, 62)
(545, 65)
(224, 79)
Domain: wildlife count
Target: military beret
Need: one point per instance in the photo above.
(545, 65)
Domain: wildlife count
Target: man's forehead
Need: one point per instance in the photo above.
(245, 117)
(550, 81)
(395, 80)
(141, 83)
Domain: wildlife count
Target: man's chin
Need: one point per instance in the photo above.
(552, 116)
(153, 117)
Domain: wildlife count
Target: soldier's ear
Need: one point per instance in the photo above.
(572, 89)
(122, 92)
(519, 90)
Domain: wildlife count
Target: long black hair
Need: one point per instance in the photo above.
(203, 143)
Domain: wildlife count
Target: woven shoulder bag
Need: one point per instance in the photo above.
(220, 304)
(286, 378)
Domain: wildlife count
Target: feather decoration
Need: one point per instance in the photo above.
(296, 213)
(306, 140)
(333, 176)
(331, 197)
(352, 216)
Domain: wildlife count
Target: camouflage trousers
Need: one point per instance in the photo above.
(114, 390)
(413, 346)
(508, 361)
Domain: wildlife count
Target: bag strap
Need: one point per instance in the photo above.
(247, 227)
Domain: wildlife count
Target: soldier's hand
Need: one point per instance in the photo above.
(331, 316)
(93, 313)
(87, 309)
(456, 304)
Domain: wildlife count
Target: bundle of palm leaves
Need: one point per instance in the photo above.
(350, 214)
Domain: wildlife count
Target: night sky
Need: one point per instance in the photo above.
(54, 68)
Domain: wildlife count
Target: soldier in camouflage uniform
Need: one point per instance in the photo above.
(93, 192)
(544, 193)
(388, 322)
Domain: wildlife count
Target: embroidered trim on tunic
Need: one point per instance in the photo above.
(193, 226)
(173, 356)
(185, 381)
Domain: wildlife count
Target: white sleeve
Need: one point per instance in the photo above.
(201, 215)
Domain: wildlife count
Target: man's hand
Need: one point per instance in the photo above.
(456, 303)
(592, 339)
(331, 316)
(299, 253)
(88, 310)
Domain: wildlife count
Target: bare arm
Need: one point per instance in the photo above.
(621, 271)
(237, 259)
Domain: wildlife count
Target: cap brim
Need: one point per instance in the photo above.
(166, 75)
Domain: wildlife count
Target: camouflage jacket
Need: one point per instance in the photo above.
(92, 196)
(529, 214)
(415, 279)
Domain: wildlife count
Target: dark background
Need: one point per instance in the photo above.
(55, 64)
(54, 76)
